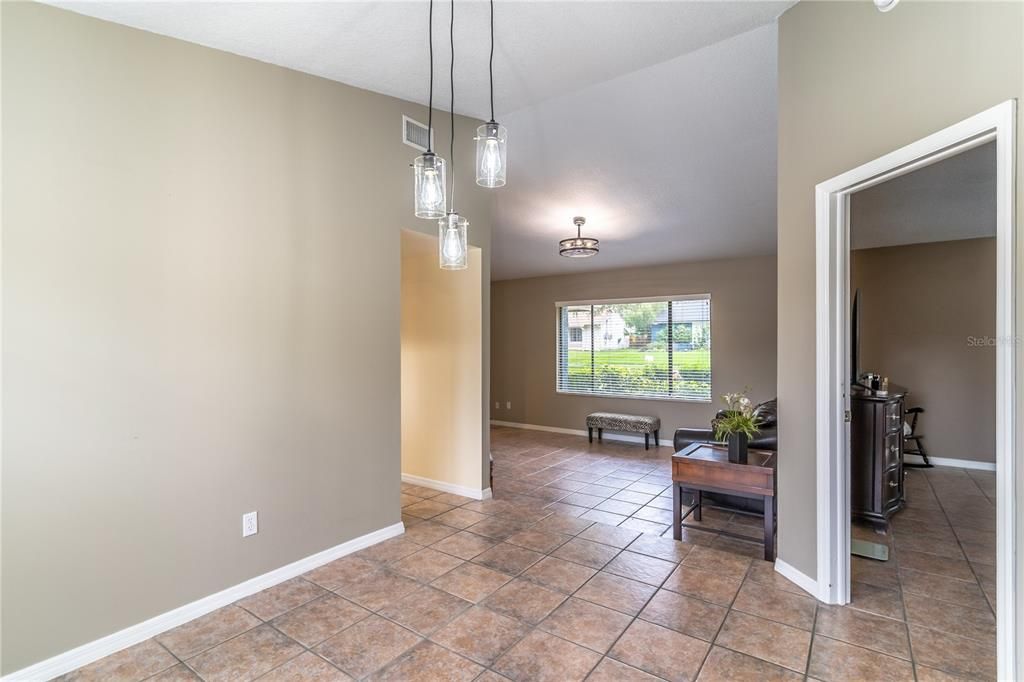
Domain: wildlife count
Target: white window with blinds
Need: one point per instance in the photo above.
(636, 348)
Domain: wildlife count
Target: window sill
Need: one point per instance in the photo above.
(700, 401)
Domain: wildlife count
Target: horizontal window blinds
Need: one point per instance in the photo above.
(636, 349)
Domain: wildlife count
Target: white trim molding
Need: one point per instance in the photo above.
(465, 491)
(97, 649)
(623, 437)
(951, 462)
(832, 240)
(643, 299)
(798, 578)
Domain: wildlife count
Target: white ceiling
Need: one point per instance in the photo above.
(946, 201)
(656, 120)
(674, 162)
(542, 49)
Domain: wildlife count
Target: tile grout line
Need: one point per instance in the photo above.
(531, 627)
(272, 626)
(172, 654)
(633, 470)
(619, 552)
(949, 523)
(959, 543)
(660, 586)
(729, 609)
(636, 617)
(633, 618)
(899, 580)
(814, 634)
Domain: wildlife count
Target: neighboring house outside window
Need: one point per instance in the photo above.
(636, 348)
(605, 330)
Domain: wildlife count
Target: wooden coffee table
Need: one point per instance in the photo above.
(706, 468)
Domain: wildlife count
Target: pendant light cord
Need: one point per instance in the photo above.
(490, 64)
(430, 100)
(451, 148)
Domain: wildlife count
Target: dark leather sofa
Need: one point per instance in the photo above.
(766, 439)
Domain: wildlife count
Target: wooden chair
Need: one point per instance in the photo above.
(912, 441)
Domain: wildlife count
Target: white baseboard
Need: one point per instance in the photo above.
(97, 649)
(465, 491)
(949, 462)
(798, 578)
(624, 437)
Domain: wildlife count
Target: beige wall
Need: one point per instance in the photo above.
(921, 306)
(855, 84)
(201, 292)
(441, 366)
(523, 339)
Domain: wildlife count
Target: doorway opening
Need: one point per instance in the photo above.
(922, 401)
(835, 360)
(442, 366)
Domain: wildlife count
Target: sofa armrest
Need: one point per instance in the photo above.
(685, 437)
(767, 439)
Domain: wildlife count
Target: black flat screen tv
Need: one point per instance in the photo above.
(855, 340)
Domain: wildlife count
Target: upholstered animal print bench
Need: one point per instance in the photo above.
(623, 422)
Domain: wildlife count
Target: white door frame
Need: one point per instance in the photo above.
(833, 325)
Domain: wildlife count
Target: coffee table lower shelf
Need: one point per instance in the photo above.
(679, 515)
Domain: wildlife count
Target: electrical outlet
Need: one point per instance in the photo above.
(497, 405)
(508, 405)
(250, 524)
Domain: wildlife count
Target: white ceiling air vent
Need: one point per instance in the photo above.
(414, 134)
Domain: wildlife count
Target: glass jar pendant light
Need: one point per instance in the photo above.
(453, 249)
(429, 176)
(491, 138)
(429, 199)
(452, 239)
(491, 163)
(578, 246)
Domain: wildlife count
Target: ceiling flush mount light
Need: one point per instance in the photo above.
(429, 169)
(885, 5)
(578, 246)
(491, 138)
(453, 249)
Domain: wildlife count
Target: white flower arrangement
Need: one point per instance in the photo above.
(738, 418)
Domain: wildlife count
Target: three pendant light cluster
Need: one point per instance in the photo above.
(429, 169)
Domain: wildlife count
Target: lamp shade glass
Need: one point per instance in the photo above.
(578, 247)
(491, 158)
(453, 250)
(429, 187)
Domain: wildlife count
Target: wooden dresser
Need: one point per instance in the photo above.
(876, 454)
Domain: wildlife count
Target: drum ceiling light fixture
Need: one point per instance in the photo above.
(578, 246)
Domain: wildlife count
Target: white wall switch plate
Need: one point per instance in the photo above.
(497, 405)
(508, 405)
(250, 524)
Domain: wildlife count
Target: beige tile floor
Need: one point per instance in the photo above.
(566, 575)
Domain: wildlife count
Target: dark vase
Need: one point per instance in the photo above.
(738, 448)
